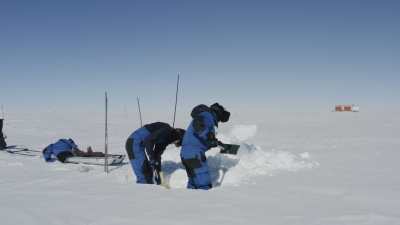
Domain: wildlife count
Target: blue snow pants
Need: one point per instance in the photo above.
(195, 163)
(135, 150)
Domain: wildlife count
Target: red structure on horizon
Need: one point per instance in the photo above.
(346, 108)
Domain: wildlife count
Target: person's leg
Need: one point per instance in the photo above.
(198, 172)
(129, 152)
(138, 162)
(190, 184)
(129, 149)
(147, 172)
(202, 178)
(64, 156)
(189, 165)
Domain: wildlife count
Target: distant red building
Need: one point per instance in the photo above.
(347, 108)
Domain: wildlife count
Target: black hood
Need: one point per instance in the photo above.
(222, 114)
(199, 109)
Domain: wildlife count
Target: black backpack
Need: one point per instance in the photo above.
(3, 144)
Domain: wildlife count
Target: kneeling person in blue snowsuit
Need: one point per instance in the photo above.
(145, 147)
(199, 138)
(66, 148)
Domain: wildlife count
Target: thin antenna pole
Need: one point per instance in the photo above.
(140, 112)
(176, 99)
(106, 135)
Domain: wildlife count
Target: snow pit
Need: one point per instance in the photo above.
(233, 170)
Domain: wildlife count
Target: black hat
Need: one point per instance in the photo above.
(222, 114)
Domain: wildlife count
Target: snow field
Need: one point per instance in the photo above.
(292, 169)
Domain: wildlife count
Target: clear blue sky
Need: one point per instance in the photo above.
(257, 54)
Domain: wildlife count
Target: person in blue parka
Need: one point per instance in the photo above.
(200, 137)
(66, 148)
(145, 147)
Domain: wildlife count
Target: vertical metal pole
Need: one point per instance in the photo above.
(106, 135)
(140, 112)
(176, 99)
(2, 111)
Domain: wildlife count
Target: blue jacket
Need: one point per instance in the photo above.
(62, 145)
(200, 135)
(154, 137)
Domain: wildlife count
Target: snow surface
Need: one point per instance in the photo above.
(309, 168)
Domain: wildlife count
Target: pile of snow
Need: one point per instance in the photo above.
(233, 170)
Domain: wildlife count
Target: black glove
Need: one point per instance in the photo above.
(154, 163)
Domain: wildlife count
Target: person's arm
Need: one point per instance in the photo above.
(156, 161)
(73, 145)
(48, 153)
(150, 143)
(205, 132)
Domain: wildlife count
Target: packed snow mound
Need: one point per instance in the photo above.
(233, 170)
